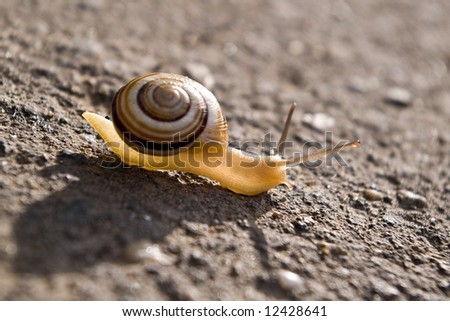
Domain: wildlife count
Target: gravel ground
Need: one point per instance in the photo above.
(377, 229)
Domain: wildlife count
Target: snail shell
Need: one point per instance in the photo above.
(160, 113)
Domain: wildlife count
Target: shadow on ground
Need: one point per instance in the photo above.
(94, 218)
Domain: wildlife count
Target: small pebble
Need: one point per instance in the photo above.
(444, 286)
(373, 195)
(398, 96)
(89, 138)
(196, 258)
(238, 269)
(289, 280)
(280, 245)
(358, 204)
(194, 229)
(333, 249)
(143, 251)
(410, 200)
(200, 73)
(390, 220)
(338, 250)
(62, 121)
(67, 177)
(2, 111)
(385, 290)
(4, 149)
(387, 200)
(288, 227)
(324, 248)
(243, 223)
(90, 47)
(303, 224)
(276, 215)
(105, 89)
(48, 128)
(67, 153)
(319, 121)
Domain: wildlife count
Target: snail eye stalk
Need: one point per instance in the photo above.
(281, 143)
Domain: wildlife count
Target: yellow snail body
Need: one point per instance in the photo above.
(164, 121)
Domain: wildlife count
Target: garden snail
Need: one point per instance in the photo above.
(164, 121)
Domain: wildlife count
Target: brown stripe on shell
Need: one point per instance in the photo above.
(145, 145)
(143, 101)
(139, 126)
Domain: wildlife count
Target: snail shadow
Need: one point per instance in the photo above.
(100, 211)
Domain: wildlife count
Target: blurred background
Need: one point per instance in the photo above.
(376, 70)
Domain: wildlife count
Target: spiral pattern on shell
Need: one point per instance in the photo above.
(160, 113)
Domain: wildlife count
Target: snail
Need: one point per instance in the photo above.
(165, 121)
